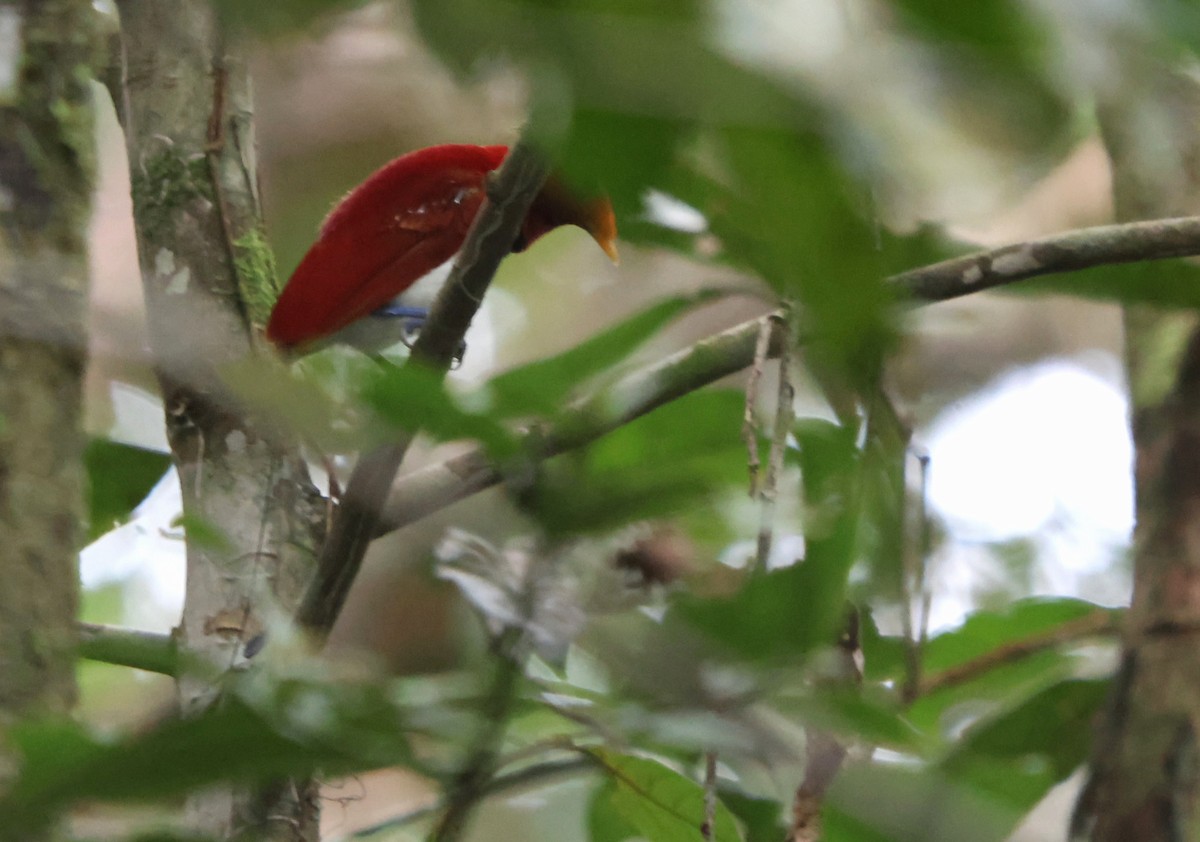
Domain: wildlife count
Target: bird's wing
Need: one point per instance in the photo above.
(377, 245)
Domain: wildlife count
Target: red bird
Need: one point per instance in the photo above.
(408, 218)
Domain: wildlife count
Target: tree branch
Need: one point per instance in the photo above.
(434, 487)
(1072, 251)
(495, 229)
(142, 650)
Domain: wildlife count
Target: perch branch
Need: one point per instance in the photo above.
(490, 239)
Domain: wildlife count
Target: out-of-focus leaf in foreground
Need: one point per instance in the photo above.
(653, 801)
(542, 386)
(414, 398)
(637, 78)
(1010, 680)
(301, 727)
(1018, 755)
(789, 612)
(680, 454)
(991, 56)
(119, 478)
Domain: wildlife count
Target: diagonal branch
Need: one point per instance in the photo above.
(1072, 251)
(489, 241)
(434, 487)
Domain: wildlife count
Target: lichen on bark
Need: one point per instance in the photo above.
(257, 275)
(164, 181)
(208, 278)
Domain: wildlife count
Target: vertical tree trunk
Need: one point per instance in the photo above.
(208, 280)
(1144, 779)
(46, 168)
(46, 161)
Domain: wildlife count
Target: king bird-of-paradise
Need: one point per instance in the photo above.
(408, 218)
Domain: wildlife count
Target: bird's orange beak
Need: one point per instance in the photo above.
(602, 225)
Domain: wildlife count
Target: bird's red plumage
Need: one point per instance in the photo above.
(406, 219)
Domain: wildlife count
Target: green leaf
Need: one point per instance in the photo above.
(793, 215)
(414, 398)
(541, 387)
(630, 118)
(119, 478)
(657, 801)
(869, 715)
(316, 398)
(1178, 20)
(605, 822)
(782, 614)
(789, 612)
(990, 57)
(1018, 755)
(294, 728)
(679, 455)
(983, 631)
(1011, 680)
(839, 826)
(761, 817)
(890, 802)
(623, 155)
(994, 26)
(202, 532)
(883, 655)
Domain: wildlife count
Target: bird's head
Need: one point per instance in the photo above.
(557, 205)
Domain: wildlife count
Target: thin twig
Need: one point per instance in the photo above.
(470, 784)
(497, 785)
(888, 436)
(823, 751)
(749, 427)
(708, 830)
(785, 414)
(511, 648)
(925, 551)
(1097, 622)
(489, 241)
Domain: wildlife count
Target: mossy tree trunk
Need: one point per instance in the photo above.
(1144, 780)
(208, 282)
(46, 162)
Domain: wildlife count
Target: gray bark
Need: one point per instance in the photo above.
(208, 282)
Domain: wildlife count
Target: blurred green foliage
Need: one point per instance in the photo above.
(119, 477)
(648, 96)
(643, 798)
